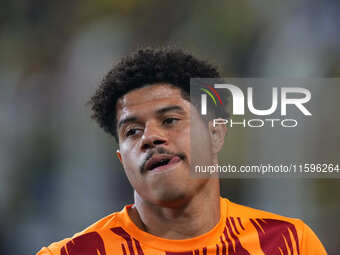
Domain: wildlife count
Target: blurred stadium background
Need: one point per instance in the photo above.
(58, 171)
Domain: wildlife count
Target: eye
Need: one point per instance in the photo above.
(131, 132)
(170, 121)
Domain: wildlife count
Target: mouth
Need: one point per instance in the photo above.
(161, 162)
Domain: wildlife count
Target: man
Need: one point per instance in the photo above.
(144, 103)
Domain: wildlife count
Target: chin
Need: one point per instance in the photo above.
(171, 198)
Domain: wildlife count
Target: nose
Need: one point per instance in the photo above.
(153, 136)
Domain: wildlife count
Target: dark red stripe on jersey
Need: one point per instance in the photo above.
(234, 225)
(230, 244)
(87, 244)
(224, 248)
(239, 250)
(138, 247)
(205, 251)
(123, 249)
(121, 232)
(217, 250)
(273, 235)
(179, 253)
(239, 221)
(63, 251)
(197, 252)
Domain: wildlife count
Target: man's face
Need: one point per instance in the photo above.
(153, 125)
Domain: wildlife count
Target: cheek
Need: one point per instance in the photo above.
(128, 151)
(181, 140)
(130, 162)
(131, 170)
(200, 145)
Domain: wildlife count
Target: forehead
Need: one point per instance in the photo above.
(147, 98)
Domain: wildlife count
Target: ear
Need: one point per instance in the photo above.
(119, 156)
(217, 135)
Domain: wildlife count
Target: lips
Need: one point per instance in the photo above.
(159, 162)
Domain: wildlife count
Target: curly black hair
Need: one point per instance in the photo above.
(147, 66)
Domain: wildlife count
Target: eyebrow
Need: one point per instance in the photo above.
(160, 111)
(170, 108)
(127, 120)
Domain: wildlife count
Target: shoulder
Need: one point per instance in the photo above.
(275, 226)
(237, 210)
(91, 237)
(265, 220)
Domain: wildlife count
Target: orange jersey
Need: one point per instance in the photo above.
(240, 231)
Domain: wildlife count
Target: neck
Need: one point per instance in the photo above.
(192, 217)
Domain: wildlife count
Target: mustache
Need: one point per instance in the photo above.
(160, 150)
